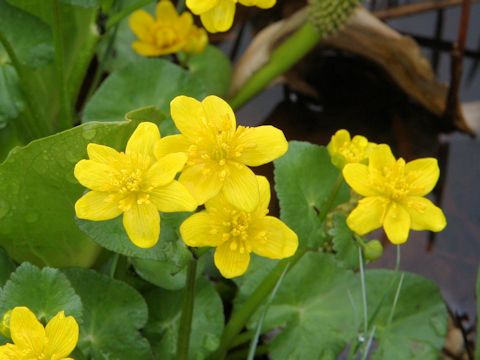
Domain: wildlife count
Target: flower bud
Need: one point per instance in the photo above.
(5, 325)
(373, 250)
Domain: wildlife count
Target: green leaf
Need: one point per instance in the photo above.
(112, 236)
(7, 266)
(304, 179)
(82, 3)
(113, 314)
(11, 99)
(145, 83)
(321, 313)
(213, 69)
(38, 192)
(30, 37)
(346, 251)
(165, 311)
(156, 115)
(46, 292)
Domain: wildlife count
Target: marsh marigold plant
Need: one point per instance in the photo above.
(133, 183)
(394, 193)
(344, 150)
(31, 340)
(219, 153)
(236, 233)
(217, 15)
(168, 33)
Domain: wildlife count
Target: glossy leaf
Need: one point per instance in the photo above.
(113, 314)
(38, 193)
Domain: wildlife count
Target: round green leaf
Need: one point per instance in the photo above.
(304, 179)
(46, 292)
(165, 311)
(38, 192)
(113, 314)
(144, 83)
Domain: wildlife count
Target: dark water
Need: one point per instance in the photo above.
(355, 95)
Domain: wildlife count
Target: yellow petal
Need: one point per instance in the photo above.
(202, 229)
(96, 206)
(397, 224)
(200, 6)
(202, 181)
(184, 25)
(171, 144)
(166, 13)
(263, 4)
(368, 215)
(10, 352)
(219, 114)
(102, 154)
(381, 157)
(141, 23)
(423, 175)
(143, 139)
(241, 187)
(260, 145)
(142, 223)
(62, 334)
(231, 263)
(26, 330)
(164, 170)
(219, 18)
(358, 178)
(188, 116)
(94, 175)
(424, 214)
(147, 49)
(173, 197)
(264, 193)
(196, 41)
(273, 239)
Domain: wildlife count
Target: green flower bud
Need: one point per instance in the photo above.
(5, 325)
(329, 15)
(373, 250)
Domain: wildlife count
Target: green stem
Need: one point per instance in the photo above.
(119, 16)
(369, 344)
(187, 312)
(35, 127)
(242, 338)
(364, 291)
(331, 198)
(282, 58)
(113, 267)
(65, 117)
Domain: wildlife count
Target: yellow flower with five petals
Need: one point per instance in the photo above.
(134, 183)
(236, 233)
(31, 340)
(217, 15)
(218, 152)
(394, 195)
(344, 150)
(168, 34)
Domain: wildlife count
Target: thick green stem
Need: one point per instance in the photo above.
(65, 117)
(187, 312)
(282, 58)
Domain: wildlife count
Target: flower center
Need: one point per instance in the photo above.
(237, 231)
(165, 36)
(354, 151)
(393, 182)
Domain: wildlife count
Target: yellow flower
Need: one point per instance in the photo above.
(33, 341)
(217, 15)
(394, 195)
(218, 152)
(343, 150)
(236, 233)
(168, 34)
(133, 183)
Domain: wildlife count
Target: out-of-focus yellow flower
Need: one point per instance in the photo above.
(134, 183)
(218, 152)
(394, 195)
(344, 150)
(33, 341)
(217, 15)
(236, 233)
(168, 34)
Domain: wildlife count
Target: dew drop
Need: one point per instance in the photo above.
(4, 207)
(88, 133)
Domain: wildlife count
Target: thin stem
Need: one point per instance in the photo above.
(254, 342)
(364, 292)
(113, 267)
(119, 16)
(369, 344)
(65, 117)
(187, 312)
(242, 338)
(397, 262)
(331, 198)
(395, 300)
